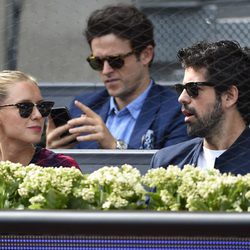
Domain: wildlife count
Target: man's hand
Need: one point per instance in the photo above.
(91, 127)
(54, 139)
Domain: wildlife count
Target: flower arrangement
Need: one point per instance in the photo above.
(171, 189)
(35, 187)
(193, 189)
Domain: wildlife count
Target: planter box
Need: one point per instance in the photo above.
(61, 229)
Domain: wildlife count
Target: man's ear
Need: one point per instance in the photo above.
(231, 96)
(147, 55)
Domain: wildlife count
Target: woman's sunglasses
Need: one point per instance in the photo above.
(192, 88)
(26, 108)
(115, 62)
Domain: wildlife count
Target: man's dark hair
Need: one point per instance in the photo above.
(124, 21)
(227, 64)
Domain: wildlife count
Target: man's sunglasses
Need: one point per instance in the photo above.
(26, 108)
(115, 62)
(192, 88)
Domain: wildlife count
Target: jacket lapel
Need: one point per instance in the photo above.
(147, 116)
(193, 155)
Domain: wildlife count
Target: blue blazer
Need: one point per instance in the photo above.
(236, 159)
(159, 124)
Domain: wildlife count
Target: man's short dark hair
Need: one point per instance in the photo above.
(227, 64)
(124, 21)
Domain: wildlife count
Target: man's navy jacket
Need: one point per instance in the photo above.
(235, 159)
(160, 115)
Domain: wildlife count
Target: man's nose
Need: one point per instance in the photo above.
(184, 97)
(107, 68)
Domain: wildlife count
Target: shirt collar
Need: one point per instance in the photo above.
(134, 107)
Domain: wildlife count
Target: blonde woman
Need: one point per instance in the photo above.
(22, 116)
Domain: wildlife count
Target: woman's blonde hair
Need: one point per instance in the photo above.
(9, 77)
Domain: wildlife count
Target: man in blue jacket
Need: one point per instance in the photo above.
(215, 99)
(132, 111)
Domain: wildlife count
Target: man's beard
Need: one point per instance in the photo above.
(207, 125)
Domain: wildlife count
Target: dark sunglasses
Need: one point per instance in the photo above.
(192, 88)
(115, 62)
(26, 108)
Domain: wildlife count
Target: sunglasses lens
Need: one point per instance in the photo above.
(45, 108)
(192, 90)
(115, 62)
(179, 88)
(25, 109)
(95, 63)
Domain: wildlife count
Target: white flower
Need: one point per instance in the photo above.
(37, 199)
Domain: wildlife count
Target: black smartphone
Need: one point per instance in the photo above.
(60, 116)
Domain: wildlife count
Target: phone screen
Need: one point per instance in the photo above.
(60, 116)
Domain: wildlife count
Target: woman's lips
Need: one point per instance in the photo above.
(36, 128)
